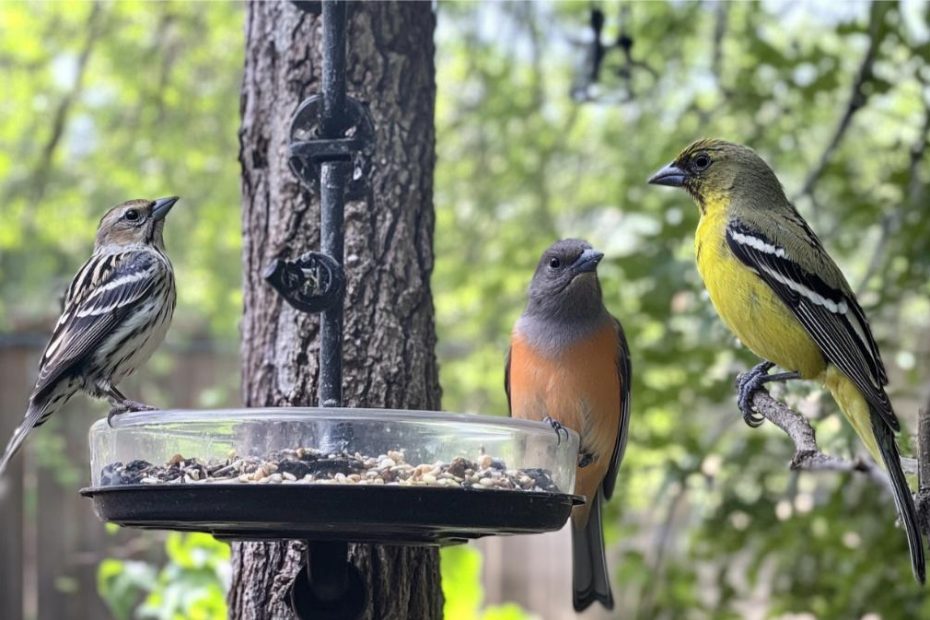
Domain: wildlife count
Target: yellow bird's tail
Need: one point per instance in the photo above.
(879, 439)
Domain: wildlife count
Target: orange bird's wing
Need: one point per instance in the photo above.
(625, 374)
(507, 379)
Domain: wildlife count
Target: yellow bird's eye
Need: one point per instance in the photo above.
(701, 161)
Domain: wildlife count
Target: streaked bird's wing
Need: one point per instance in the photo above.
(830, 314)
(625, 373)
(102, 294)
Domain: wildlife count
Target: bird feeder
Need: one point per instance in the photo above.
(330, 475)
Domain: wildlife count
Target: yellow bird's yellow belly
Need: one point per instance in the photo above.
(747, 305)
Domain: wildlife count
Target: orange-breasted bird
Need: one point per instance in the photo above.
(116, 313)
(569, 365)
(774, 285)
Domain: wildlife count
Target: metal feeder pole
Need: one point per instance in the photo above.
(332, 205)
(332, 138)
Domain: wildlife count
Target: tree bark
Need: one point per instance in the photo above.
(389, 339)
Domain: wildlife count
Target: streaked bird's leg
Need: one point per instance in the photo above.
(120, 404)
(751, 382)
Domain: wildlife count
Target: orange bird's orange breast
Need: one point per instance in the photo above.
(580, 387)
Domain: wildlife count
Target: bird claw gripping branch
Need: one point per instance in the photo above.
(748, 384)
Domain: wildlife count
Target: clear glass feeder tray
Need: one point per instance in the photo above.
(360, 475)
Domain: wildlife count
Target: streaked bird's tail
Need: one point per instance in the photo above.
(38, 412)
(879, 439)
(589, 561)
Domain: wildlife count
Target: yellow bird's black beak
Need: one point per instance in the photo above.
(670, 175)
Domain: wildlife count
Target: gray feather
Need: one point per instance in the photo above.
(590, 582)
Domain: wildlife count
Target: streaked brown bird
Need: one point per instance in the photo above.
(116, 312)
(569, 365)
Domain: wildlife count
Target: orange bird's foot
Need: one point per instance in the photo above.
(557, 427)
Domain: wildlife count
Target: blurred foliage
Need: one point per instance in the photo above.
(191, 586)
(461, 588)
(109, 101)
(104, 102)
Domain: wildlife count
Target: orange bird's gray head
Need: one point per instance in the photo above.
(135, 222)
(565, 284)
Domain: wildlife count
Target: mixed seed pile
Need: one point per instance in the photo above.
(311, 466)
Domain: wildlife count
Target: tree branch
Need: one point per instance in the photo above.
(59, 119)
(857, 98)
(808, 455)
(891, 221)
(923, 474)
(721, 16)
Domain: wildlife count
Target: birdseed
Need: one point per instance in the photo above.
(311, 466)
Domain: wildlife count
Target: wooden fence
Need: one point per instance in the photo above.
(51, 542)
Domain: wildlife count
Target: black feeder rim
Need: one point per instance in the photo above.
(429, 516)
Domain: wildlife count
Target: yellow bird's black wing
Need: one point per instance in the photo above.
(830, 314)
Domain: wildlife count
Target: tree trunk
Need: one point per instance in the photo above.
(389, 339)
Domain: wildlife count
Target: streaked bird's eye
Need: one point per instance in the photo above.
(555, 263)
(701, 161)
(132, 215)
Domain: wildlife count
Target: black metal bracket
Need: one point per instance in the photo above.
(331, 146)
(328, 587)
(309, 283)
(308, 151)
(330, 151)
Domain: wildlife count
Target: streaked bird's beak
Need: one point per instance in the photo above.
(162, 206)
(588, 261)
(671, 175)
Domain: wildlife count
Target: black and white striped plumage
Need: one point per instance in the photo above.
(825, 306)
(116, 313)
(828, 310)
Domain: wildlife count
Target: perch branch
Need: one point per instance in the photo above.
(923, 472)
(808, 455)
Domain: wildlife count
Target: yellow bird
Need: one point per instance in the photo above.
(774, 285)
